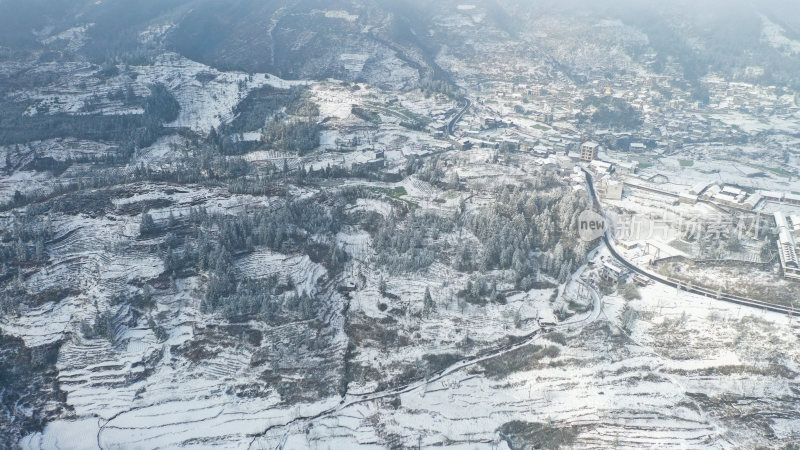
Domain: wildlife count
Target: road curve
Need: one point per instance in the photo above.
(730, 298)
(452, 125)
(349, 399)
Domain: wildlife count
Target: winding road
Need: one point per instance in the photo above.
(717, 295)
(349, 400)
(452, 125)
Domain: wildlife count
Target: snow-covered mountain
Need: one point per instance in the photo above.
(355, 223)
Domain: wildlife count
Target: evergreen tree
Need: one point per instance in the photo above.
(428, 304)
(382, 286)
(147, 225)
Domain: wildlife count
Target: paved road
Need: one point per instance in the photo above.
(597, 307)
(717, 295)
(422, 386)
(452, 125)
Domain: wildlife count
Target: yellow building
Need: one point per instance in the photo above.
(589, 151)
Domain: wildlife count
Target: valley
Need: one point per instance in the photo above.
(359, 224)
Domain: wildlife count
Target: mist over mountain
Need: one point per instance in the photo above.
(296, 39)
(399, 224)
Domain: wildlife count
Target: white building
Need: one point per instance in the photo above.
(614, 190)
(600, 167)
(781, 197)
(629, 167)
(688, 198)
(637, 147)
(787, 248)
(612, 272)
(732, 197)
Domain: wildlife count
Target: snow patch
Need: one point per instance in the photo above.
(775, 35)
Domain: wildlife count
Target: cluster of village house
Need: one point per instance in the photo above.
(670, 121)
(726, 197)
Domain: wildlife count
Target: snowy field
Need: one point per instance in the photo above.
(670, 378)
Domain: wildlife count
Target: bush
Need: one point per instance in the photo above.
(628, 319)
(366, 115)
(524, 358)
(629, 291)
(300, 135)
(161, 105)
(518, 434)
(558, 338)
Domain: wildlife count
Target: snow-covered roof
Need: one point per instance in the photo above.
(699, 188)
(791, 197)
(788, 249)
(795, 221)
(732, 190)
(780, 220)
(772, 194)
(754, 200)
(601, 165)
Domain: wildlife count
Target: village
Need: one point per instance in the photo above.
(702, 180)
(400, 225)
